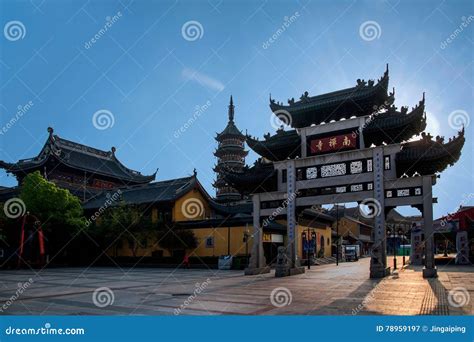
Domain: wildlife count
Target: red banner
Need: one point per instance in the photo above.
(333, 144)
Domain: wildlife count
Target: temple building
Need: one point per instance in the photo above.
(85, 171)
(221, 227)
(230, 154)
(351, 145)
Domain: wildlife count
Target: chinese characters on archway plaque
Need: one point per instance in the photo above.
(333, 144)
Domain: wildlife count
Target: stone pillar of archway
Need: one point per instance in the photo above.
(257, 262)
(378, 261)
(429, 271)
(291, 265)
(416, 253)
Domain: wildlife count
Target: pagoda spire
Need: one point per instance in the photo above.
(231, 109)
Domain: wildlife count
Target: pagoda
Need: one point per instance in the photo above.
(83, 170)
(350, 145)
(230, 154)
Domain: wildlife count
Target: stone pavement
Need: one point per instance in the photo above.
(324, 290)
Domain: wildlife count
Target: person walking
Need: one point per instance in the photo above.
(186, 261)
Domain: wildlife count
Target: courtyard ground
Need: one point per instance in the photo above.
(324, 290)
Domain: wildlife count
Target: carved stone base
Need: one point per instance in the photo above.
(286, 271)
(430, 272)
(255, 271)
(297, 270)
(379, 272)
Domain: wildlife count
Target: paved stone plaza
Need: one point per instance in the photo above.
(324, 290)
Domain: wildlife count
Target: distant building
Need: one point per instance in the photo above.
(230, 154)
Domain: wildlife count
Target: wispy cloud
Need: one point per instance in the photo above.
(203, 79)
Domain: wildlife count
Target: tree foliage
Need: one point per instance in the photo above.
(56, 208)
(176, 238)
(124, 222)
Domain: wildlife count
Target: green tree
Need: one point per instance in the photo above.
(176, 238)
(59, 212)
(124, 222)
(56, 208)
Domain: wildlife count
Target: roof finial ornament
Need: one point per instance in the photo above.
(50, 130)
(195, 172)
(113, 149)
(231, 109)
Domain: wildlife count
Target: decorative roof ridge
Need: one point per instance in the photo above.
(57, 142)
(78, 147)
(147, 186)
(278, 134)
(330, 96)
(426, 139)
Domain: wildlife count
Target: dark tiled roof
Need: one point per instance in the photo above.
(358, 101)
(80, 157)
(243, 207)
(395, 126)
(427, 156)
(164, 191)
(7, 193)
(230, 130)
(280, 146)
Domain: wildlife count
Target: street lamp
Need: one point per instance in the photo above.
(392, 235)
(305, 240)
(337, 235)
(246, 239)
(401, 233)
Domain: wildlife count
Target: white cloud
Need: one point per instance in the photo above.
(202, 79)
(432, 124)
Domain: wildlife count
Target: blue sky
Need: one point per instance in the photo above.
(151, 79)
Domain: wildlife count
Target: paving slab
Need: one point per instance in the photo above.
(324, 290)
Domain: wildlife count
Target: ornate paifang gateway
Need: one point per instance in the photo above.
(371, 157)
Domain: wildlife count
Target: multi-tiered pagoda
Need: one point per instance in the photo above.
(351, 145)
(230, 155)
